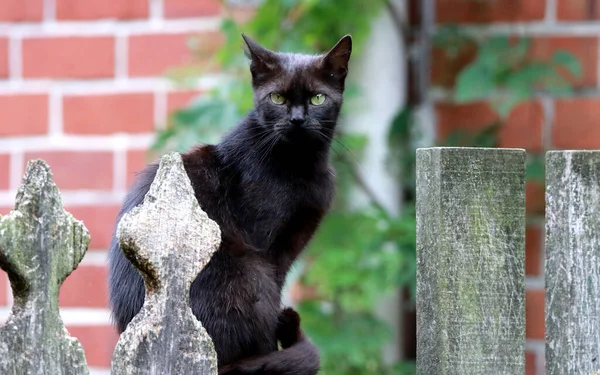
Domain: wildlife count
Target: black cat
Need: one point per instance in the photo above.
(267, 184)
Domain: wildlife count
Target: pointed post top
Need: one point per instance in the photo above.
(169, 239)
(40, 245)
(40, 234)
(169, 224)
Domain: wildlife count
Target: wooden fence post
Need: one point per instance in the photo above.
(40, 245)
(572, 262)
(470, 261)
(170, 240)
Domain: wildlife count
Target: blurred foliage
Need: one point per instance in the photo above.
(359, 255)
(504, 74)
(504, 67)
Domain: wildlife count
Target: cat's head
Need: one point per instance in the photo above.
(299, 96)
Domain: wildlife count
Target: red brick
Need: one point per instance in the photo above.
(21, 10)
(522, 129)
(180, 99)
(98, 9)
(151, 55)
(136, 161)
(578, 10)
(85, 287)
(533, 248)
(534, 314)
(106, 114)
(99, 220)
(530, 363)
(4, 171)
(576, 124)
(68, 57)
(3, 58)
(98, 343)
(191, 8)
(25, 114)
(3, 288)
(535, 199)
(445, 68)
(461, 11)
(585, 49)
(465, 117)
(78, 170)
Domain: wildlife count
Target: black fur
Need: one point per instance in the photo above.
(267, 184)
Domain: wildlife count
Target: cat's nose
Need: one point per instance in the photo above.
(297, 117)
(297, 121)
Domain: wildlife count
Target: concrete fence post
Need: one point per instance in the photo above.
(40, 245)
(572, 262)
(470, 261)
(169, 239)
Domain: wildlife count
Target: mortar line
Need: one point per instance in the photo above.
(49, 11)
(16, 170)
(15, 58)
(55, 112)
(160, 109)
(548, 104)
(551, 8)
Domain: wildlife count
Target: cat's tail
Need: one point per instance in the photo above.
(301, 358)
(299, 355)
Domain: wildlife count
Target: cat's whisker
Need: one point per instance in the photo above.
(264, 146)
(334, 139)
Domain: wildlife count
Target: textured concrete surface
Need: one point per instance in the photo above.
(170, 240)
(470, 261)
(40, 245)
(573, 262)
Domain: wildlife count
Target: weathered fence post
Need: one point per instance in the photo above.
(470, 261)
(572, 262)
(169, 239)
(40, 245)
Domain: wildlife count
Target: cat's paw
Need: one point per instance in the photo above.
(288, 329)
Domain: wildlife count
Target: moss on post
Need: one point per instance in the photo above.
(40, 245)
(170, 240)
(470, 261)
(573, 262)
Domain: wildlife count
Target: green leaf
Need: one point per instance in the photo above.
(569, 62)
(490, 52)
(518, 52)
(162, 138)
(473, 83)
(535, 170)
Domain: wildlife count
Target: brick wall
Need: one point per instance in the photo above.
(539, 125)
(81, 86)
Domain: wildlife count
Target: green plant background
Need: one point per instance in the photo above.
(359, 255)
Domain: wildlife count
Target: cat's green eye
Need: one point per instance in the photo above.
(276, 98)
(317, 99)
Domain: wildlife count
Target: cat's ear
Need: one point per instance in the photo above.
(263, 61)
(336, 60)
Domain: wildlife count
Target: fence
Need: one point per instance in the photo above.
(470, 261)
(470, 269)
(41, 244)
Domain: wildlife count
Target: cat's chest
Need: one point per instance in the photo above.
(267, 207)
